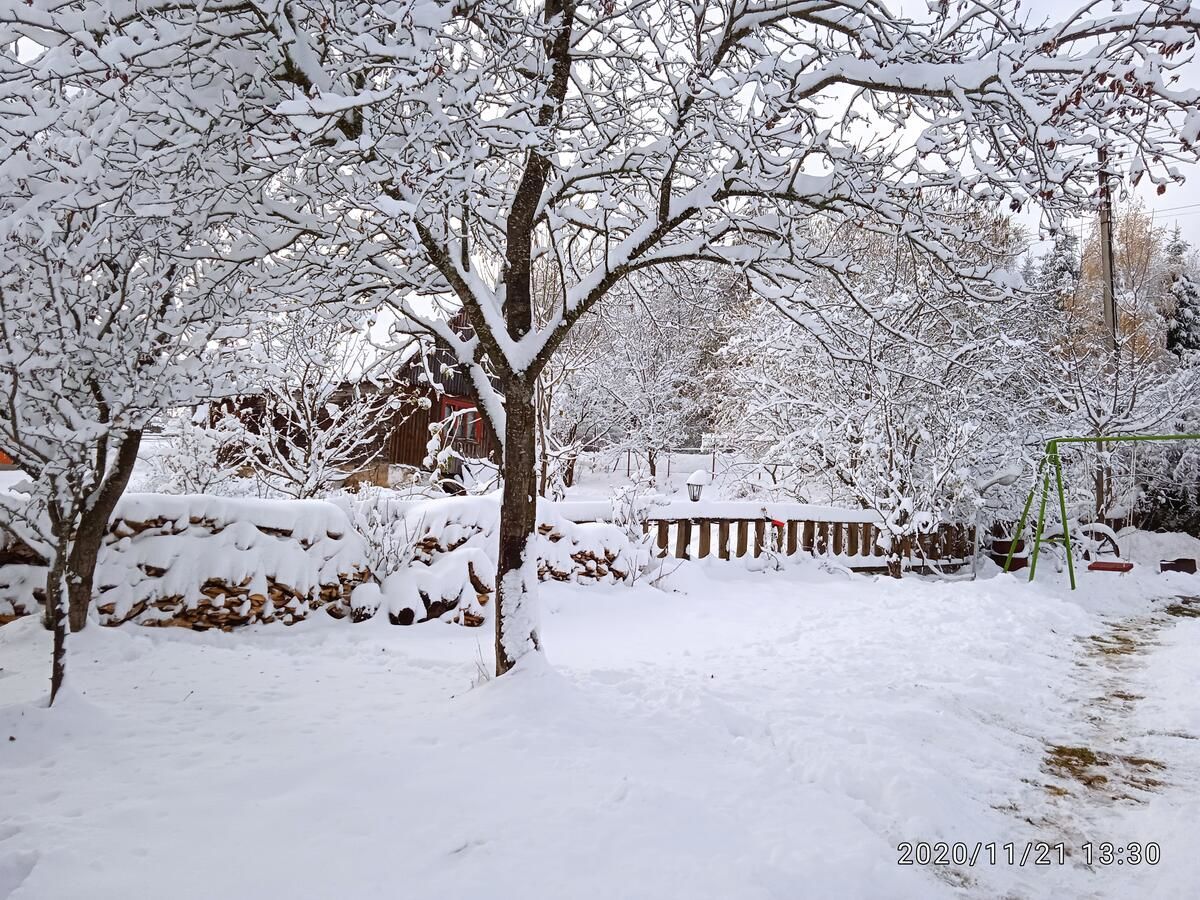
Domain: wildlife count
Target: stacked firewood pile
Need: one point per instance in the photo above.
(225, 606)
(22, 579)
(579, 559)
(220, 563)
(451, 558)
(136, 580)
(587, 562)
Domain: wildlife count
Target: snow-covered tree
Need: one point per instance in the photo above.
(438, 149)
(659, 331)
(573, 413)
(1183, 331)
(900, 411)
(1058, 273)
(113, 309)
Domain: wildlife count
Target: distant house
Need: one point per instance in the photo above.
(408, 439)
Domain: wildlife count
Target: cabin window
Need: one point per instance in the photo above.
(468, 426)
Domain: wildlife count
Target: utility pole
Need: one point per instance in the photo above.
(1102, 475)
(1106, 256)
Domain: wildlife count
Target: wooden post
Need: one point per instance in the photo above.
(808, 537)
(760, 532)
(822, 539)
(743, 533)
(852, 532)
(683, 538)
(793, 528)
(705, 527)
(837, 538)
(723, 539)
(663, 528)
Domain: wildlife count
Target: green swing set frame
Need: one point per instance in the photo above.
(1050, 458)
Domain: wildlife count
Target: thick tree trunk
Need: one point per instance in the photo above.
(516, 576)
(81, 569)
(85, 549)
(56, 619)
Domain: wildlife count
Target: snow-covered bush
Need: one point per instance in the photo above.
(322, 408)
(196, 458)
(389, 537)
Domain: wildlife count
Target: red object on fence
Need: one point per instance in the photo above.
(1101, 565)
(777, 523)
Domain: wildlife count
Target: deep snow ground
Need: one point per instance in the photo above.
(749, 735)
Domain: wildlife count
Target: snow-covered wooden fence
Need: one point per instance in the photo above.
(731, 529)
(854, 544)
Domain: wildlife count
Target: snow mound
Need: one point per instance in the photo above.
(1147, 548)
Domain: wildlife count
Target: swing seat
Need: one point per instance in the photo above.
(1105, 565)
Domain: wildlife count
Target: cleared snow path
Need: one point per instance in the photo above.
(1126, 767)
(752, 736)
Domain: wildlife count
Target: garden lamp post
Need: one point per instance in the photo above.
(696, 482)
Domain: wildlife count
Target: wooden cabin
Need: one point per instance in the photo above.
(409, 436)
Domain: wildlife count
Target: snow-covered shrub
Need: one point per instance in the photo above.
(198, 459)
(389, 537)
(632, 505)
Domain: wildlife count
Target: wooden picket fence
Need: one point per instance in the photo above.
(852, 544)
